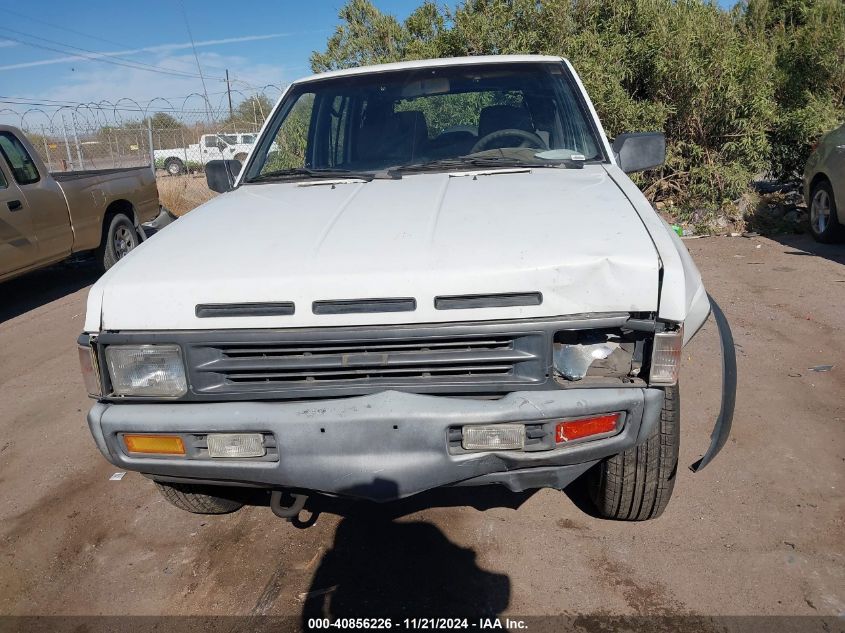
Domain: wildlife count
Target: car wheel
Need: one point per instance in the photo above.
(636, 485)
(199, 499)
(175, 167)
(120, 238)
(824, 221)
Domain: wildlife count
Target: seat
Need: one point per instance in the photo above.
(406, 135)
(398, 138)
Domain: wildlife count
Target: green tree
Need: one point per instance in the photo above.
(737, 93)
(249, 114)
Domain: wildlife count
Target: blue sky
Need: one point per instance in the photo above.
(259, 42)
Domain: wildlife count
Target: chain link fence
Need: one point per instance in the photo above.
(128, 134)
(177, 140)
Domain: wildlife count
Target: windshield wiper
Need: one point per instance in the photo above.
(307, 172)
(483, 161)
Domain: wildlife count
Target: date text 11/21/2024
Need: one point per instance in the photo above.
(435, 624)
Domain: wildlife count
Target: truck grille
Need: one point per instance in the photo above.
(302, 368)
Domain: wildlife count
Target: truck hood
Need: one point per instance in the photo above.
(568, 234)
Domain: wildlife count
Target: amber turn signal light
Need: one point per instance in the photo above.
(158, 444)
(585, 427)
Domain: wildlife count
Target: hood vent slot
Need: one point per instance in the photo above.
(361, 306)
(210, 310)
(503, 300)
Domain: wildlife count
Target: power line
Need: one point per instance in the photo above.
(99, 56)
(197, 57)
(74, 31)
(63, 28)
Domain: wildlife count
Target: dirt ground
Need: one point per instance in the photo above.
(758, 532)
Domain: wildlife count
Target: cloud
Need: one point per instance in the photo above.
(7, 43)
(160, 48)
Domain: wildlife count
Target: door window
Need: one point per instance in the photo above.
(3, 183)
(21, 163)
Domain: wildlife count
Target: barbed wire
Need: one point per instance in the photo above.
(175, 134)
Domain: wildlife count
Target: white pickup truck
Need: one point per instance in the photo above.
(221, 146)
(431, 273)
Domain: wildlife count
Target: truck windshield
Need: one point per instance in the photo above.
(428, 118)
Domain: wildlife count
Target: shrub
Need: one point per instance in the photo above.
(738, 93)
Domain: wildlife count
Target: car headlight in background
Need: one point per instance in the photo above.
(146, 370)
(666, 357)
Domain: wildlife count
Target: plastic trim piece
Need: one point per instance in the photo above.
(722, 429)
(211, 310)
(361, 306)
(501, 300)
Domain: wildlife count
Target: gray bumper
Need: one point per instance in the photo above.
(383, 446)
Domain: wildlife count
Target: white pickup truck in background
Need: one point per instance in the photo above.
(431, 273)
(222, 146)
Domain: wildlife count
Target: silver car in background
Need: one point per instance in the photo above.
(824, 186)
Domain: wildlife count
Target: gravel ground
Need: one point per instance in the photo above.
(758, 532)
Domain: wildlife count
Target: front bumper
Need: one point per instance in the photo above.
(382, 446)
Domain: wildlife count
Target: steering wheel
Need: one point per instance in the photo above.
(529, 139)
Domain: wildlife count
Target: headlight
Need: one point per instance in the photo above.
(146, 370)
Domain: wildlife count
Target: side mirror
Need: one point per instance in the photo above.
(221, 174)
(639, 151)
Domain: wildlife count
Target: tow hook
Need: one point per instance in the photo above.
(287, 512)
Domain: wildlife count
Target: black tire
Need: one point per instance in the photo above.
(636, 485)
(199, 499)
(119, 238)
(174, 166)
(824, 225)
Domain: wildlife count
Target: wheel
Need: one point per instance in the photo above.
(636, 485)
(824, 222)
(174, 166)
(199, 499)
(120, 237)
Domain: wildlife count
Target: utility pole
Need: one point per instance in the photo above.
(229, 92)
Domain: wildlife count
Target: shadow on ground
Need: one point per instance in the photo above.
(41, 287)
(379, 567)
(806, 246)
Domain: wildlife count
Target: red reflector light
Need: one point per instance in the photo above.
(576, 429)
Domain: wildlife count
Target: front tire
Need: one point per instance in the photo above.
(198, 499)
(824, 221)
(636, 485)
(119, 238)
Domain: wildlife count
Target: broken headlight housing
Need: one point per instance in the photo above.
(598, 354)
(621, 354)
